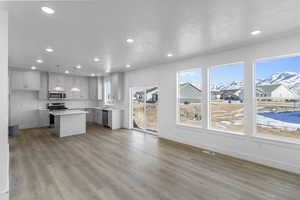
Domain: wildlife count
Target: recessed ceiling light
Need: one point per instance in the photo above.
(39, 61)
(170, 55)
(107, 71)
(93, 74)
(128, 65)
(78, 67)
(67, 72)
(49, 49)
(96, 59)
(256, 32)
(33, 67)
(48, 10)
(129, 40)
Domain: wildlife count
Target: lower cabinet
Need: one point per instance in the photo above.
(43, 118)
(98, 114)
(90, 115)
(24, 80)
(115, 119)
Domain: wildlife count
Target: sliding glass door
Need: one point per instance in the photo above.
(144, 103)
(138, 108)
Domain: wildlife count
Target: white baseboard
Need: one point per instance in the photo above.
(4, 196)
(243, 156)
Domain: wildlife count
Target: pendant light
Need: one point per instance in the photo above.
(57, 87)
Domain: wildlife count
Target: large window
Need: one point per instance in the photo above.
(189, 97)
(227, 98)
(278, 97)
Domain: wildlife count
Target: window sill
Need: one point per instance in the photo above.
(210, 130)
(225, 132)
(188, 125)
(263, 138)
(278, 139)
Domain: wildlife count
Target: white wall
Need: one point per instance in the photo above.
(24, 109)
(273, 153)
(3, 106)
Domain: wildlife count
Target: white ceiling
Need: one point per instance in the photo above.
(79, 31)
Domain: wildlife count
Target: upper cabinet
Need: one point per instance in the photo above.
(117, 86)
(75, 87)
(55, 81)
(43, 92)
(95, 88)
(84, 88)
(93, 93)
(25, 80)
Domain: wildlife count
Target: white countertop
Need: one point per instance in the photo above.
(43, 109)
(86, 107)
(67, 112)
(82, 108)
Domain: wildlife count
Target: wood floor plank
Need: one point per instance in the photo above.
(125, 164)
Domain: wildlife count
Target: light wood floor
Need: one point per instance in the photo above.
(129, 165)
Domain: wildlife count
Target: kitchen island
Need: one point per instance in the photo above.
(69, 122)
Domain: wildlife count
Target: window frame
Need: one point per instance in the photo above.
(256, 134)
(250, 104)
(178, 122)
(209, 83)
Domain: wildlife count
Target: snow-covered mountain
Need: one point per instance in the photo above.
(228, 86)
(290, 79)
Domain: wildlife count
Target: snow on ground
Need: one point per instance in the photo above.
(226, 122)
(238, 122)
(239, 115)
(271, 123)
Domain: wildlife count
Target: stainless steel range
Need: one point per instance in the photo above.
(55, 106)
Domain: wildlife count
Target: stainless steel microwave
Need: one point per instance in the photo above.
(57, 95)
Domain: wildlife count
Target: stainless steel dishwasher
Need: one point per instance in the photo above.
(105, 118)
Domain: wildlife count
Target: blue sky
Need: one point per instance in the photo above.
(229, 73)
(194, 77)
(265, 69)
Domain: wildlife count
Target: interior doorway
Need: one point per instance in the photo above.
(144, 108)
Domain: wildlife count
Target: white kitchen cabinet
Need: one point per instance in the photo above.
(16, 80)
(43, 92)
(117, 86)
(68, 85)
(98, 119)
(95, 88)
(25, 80)
(44, 120)
(81, 83)
(93, 92)
(90, 116)
(84, 88)
(56, 80)
(115, 118)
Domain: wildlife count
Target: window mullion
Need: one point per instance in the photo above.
(205, 98)
(249, 90)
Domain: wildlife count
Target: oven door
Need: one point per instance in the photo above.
(51, 121)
